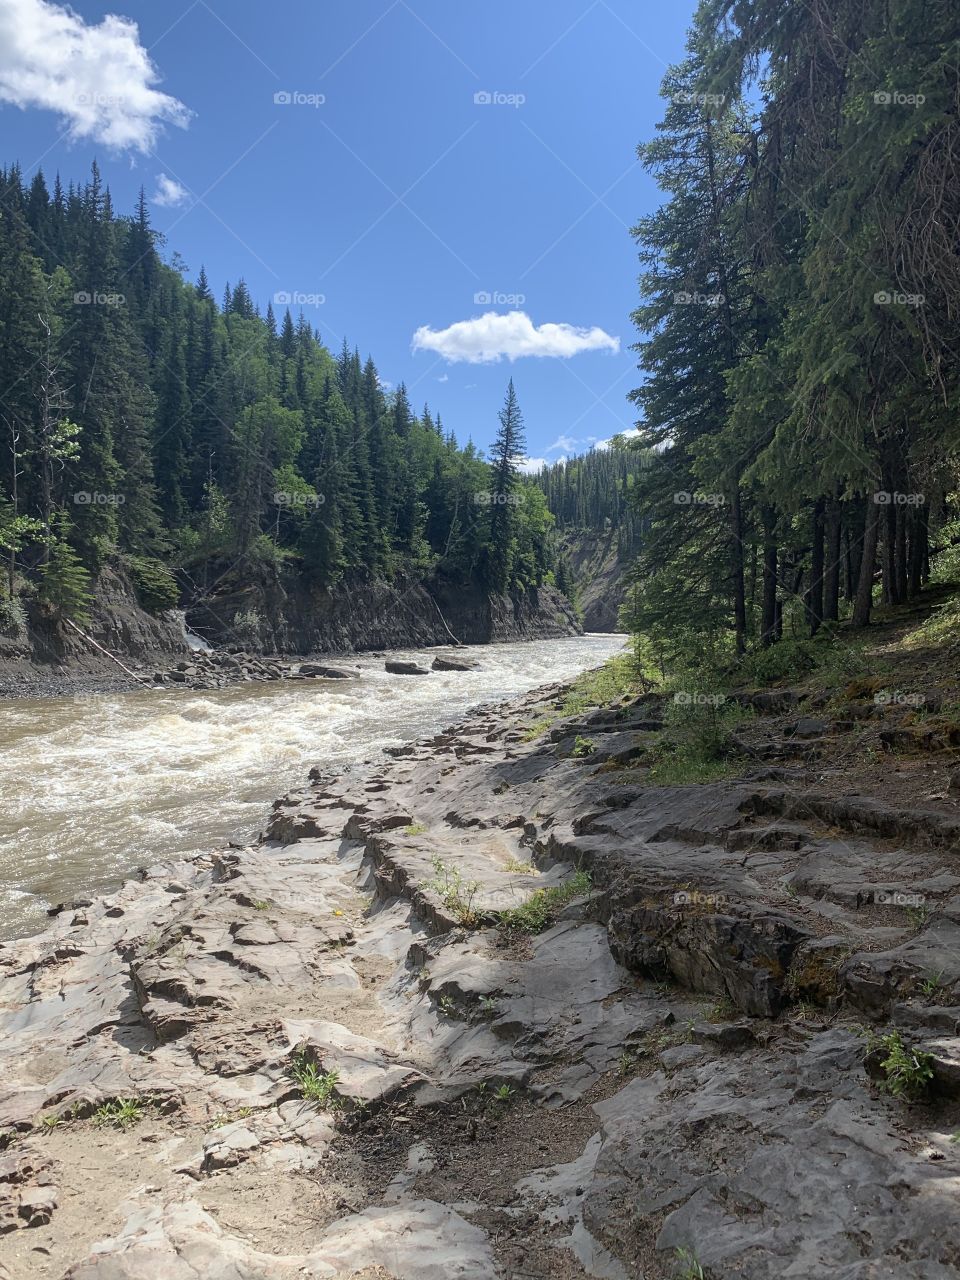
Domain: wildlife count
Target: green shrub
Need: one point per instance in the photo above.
(248, 628)
(13, 618)
(156, 585)
(542, 908)
(65, 583)
(908, 1073)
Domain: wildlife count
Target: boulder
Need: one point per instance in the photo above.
(317, 671)
(443, 662)
(405, 669)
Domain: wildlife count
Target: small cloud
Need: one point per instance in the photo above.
(565, 444)
(97, 77)
(488, 338)
(444, 377)
(530, 466)
(169, 192)
(628, 433)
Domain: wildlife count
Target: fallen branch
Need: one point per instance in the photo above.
(90, 640)
(458, 643)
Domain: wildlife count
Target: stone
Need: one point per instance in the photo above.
(319, 671)
(405, 668)
(443, 662)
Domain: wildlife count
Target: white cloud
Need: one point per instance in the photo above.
(530, 466)
(444, 377)
(628, 433)
(565, 444)
(98, 78)
(492, 336)
(169, 191)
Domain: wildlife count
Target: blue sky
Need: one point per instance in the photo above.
(340, 152)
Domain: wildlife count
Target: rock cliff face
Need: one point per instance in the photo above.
(294, 621)
(117, 622)
(599, 575)
(382, 616)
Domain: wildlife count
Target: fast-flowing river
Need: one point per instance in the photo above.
(93, 787)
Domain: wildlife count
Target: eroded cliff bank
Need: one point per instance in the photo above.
(49, 657)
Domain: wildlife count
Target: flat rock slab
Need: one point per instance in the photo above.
(418, 1240)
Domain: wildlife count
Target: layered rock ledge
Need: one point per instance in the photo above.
(326, 1055)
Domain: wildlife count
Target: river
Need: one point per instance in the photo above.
(92, 787)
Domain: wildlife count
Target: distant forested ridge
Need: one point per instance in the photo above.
(597, 491)
(202, 444)
(799, 332)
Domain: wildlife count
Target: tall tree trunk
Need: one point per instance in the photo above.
(855, 546)
(831, 576)
(814, 598)
(736, 567)
(918, 549)
(900, 558)
(768, 620)
(868, 562)
(889, 539)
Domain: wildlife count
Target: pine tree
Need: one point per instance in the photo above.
(508, 449)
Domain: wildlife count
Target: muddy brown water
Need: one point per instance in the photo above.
(92, 787)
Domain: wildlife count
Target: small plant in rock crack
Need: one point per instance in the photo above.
(543, 907)
(723, 1010)
(583, 747)
(261, 905)
(454, 892)
(315, 1085)
(503, 1094)
(414, 829)
(689, 1267)
(488, 1006)
(224, 1118)
(520, 867)
(930, 986)
(448, 1006)
(908, 1073)
(49, 1122)
(917, 917)
(627, 1063)
(121, 1113)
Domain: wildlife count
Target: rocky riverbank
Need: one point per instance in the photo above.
(498, 1006)
(122, 645)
